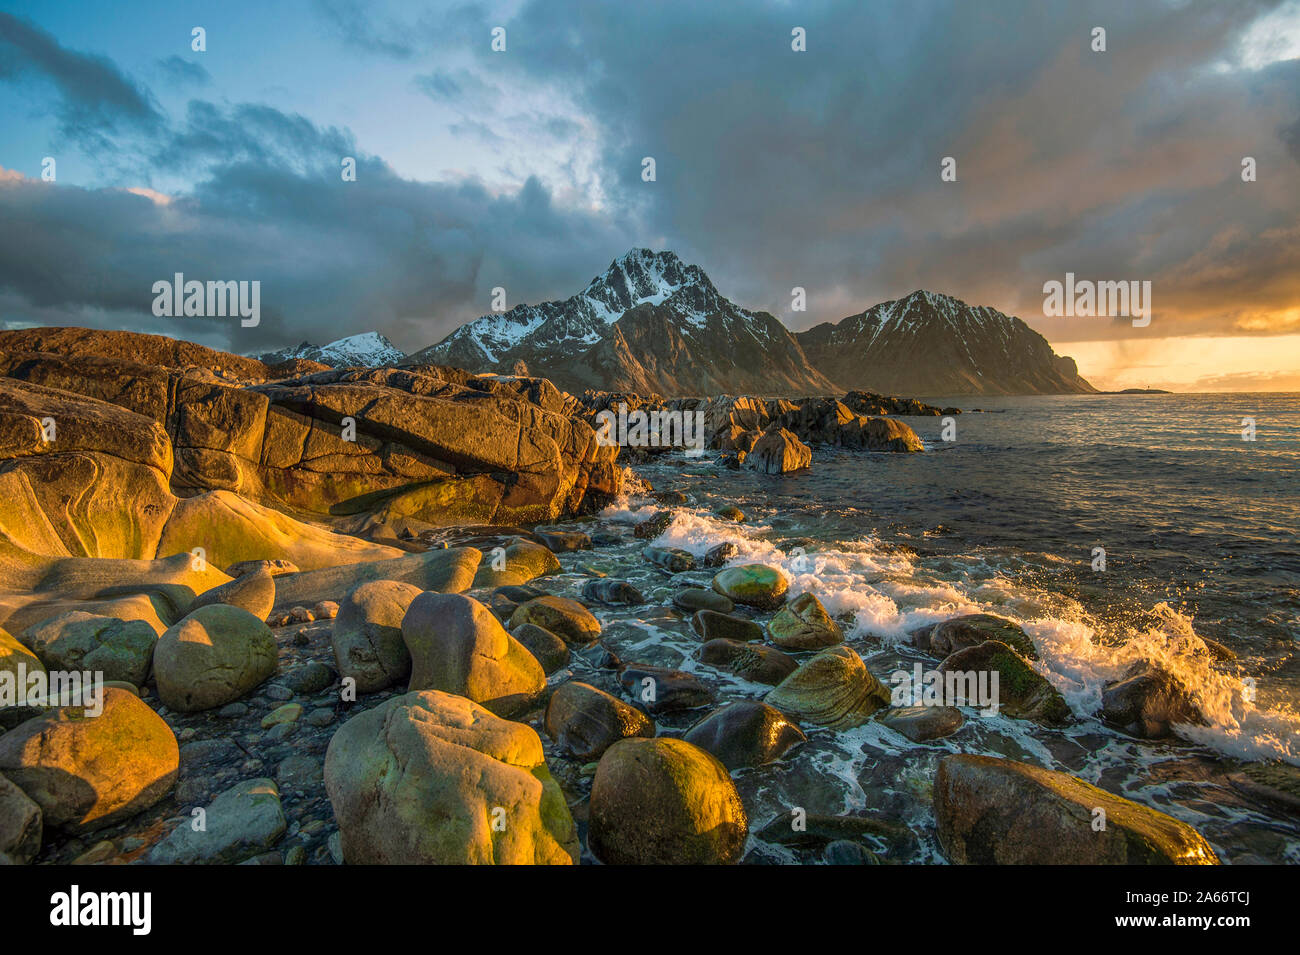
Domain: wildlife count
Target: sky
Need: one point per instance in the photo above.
(522, 168)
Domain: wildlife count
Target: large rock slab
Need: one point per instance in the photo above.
(86, 770)
(449, 571)
(999, 812)
(433, 778)
(214, 656)
(458, 646)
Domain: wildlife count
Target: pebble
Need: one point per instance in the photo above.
(289, 713)
(281, 731)
(232, 711)
(279, 693)
(319, 718)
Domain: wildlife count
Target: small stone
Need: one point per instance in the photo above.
(300, 615)
(99, 852)
(295, 855)
(281, 731)
(325, 610)
(289, 713)
(730, 513)
(311, 677)
(233, 711)
(320, 717)
(691, 599)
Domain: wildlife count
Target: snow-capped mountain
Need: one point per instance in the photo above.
(649, 323)
(932, 344)
(368, 350)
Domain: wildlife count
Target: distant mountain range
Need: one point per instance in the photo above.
(651, 323)
(368, 350)
(931, 344)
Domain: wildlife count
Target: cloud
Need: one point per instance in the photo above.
(178, 70)
(95, 99)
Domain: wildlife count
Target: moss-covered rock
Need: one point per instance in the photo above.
(804, 624)
(566, 618)
(832, 689)
(433, 778)
(1022, 692)
(999, 812)
(585, 721)
(665, 801)
(214, 656)
(755, 585)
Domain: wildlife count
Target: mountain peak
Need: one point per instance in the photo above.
(641, 276)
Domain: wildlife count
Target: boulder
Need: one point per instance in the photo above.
(16, 661)
(719, 554)
(367, 634)
(457, 646)
(804, 624)
(832, 689)
(565, 618)
(20, 825)
(711, 625)
(515, 564)
(993, 811)
(672, 559)
(923, 723)
(241, 822)
(778, 452)
(1148, 701)
(749, 661)
(87, 769)
(663, 690)
(691, 599)
(585, 721)
(254, 592)
(745, 733)
(970, 630)
(665, 802)
(1022, 692)
(119, 649)
(754, 585)
(432, 778)
(214, 656)
(607, 590)
(551, 651)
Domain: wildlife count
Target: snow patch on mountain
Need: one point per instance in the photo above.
(367, 350)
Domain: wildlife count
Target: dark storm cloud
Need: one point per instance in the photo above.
(821, 169)
(95, 99)
(334, 258)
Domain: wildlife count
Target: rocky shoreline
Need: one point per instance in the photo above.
(401, 645)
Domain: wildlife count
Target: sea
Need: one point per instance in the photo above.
(1113, 528)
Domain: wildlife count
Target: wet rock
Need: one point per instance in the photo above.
(516, 564)
(711, 625)
(923, 723)
(669, 498)
(1000, 812)
(119, 649)
(254, 592)
(719, 554)
(730, 512)
(320, 717)
(585, 721)
(563, 541)
(551, 652)
(289, 713)
(367, 634)
(1148, 701)
(691, 599)
(608, 590)
(745, 733)
(654, 525)
(420, 778)
(240, 823)
(778, 452)
(844, 852)
(832, 689)
(20, 824)
(662, 690)
(311, 677)
(212, 657)
(1022, 692)
(749, 661)
(755, 585)
(672, 559)
(959, 633)
(86, 770)
(504, 600)
(299, 772)
(804, 624)
(565, 618)
(457, 646)
(665, 801)
(813, 830)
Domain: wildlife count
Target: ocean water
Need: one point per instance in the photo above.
(1199, 529)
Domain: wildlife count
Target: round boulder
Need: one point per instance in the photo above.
(367, 634)
(585, 721)
(665, 802)
(212, 657)
(755, 585)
